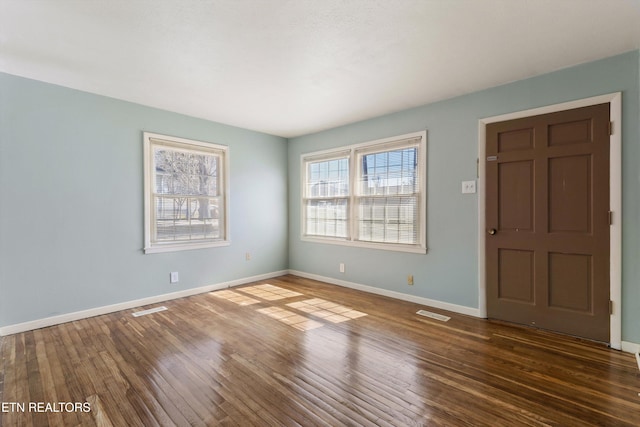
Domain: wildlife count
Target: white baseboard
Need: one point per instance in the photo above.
(469, 311)
(630, 347)
(77, 315)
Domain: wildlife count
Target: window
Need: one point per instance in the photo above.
(327, 201)
(185, 194)
(370, 194)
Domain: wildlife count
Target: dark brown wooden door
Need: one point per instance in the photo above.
(547, 211)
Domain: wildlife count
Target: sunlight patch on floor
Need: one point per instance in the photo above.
(326, 310)
(290, 318)
(317, 307)
(234, 297)
(269, 292)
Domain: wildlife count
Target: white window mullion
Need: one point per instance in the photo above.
(353, 193)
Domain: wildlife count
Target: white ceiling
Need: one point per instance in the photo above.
(292, 67)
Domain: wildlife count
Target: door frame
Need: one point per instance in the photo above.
(615, 201)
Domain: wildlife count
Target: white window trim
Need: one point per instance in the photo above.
(150, 247)
(353, 150)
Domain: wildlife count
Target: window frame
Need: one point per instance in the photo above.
(354, 153)
(328, 156)
(151, 140)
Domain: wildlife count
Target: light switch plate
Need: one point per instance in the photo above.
(468, 187)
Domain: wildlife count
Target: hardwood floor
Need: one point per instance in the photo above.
(301, 352)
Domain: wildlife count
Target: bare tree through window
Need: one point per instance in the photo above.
(187, 194)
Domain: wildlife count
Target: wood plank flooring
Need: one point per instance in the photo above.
(295, 352)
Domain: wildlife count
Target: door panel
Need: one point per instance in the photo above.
(516, 275)
(547, 206)
(570, 282)
(570, 194)
(515, 140)
(570, 133)
(515, 184)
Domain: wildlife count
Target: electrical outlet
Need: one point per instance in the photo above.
(174, 277)
(410, 280)
(342, 267)
(468, 187)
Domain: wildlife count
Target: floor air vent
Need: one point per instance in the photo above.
(436, 316)
(151, 310)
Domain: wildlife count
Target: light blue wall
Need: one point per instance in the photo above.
(71, 220)
(448, 272)
(71, 203)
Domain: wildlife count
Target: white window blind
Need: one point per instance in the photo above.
(388, 194)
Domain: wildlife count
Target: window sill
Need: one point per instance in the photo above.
(174, 247)
(416, 249)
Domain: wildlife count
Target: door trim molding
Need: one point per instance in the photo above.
(615, 201)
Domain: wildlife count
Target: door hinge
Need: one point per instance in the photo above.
(610, 128)
(610, 218)
(610, 307)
